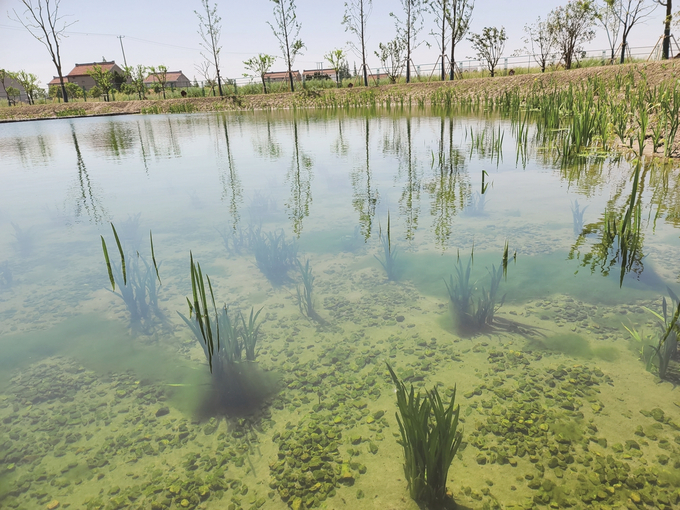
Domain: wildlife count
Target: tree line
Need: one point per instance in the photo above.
(560, 36)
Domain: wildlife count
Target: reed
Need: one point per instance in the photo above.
(474, 311)
(389, 253)
(305, 301)
(577, 217)
(275, 256)
(6, 277)
(239, 385)
(430, 437)
(136, 281)
(25, 239)
(667, 345)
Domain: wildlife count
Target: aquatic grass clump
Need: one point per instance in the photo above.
(472, 311)
(239, 241)
(25, 239)
(304, 296)
(6, 277)
(136, 280)
(430, 438)
(389, 253)
(239, 386)
(620, 238)
(275, 256)
(577, 217)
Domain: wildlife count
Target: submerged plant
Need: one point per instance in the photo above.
(389, 253)
(239, 385)
(275, 256)
(136, 280)
(473, 311)
(239, 241)
(430, 438)
(577, 216)
(304, 297)
(25, 239)
(667, 346)
(5, 275)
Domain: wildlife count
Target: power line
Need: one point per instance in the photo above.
(134, 39)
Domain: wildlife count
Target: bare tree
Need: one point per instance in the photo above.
(460, 15)
(356, 15)
(541, 41)
(572, 25)
(42, 20)
(440, 11)
(668, 4)
(210, 30)
(489, 46)
(287, 31)
(633, 12)
(608, 16)
(208, 80)
(408, 28)
(261, 66)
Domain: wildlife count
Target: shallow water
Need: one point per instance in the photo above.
(556, 404)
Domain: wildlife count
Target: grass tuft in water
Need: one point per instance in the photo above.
(389, 253)
(473, 312)
(275, 256)
(430, 438)
(136, 281)
(239, 386)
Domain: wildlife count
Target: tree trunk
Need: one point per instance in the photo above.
(219, 83)
(264, 84)
(453, 62)
(363, 46)
(667, 31)
(443, 41)
(63, 87)
(623, 49)
(290, 76)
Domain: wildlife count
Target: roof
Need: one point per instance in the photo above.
(84, 69)
(280, 74)
(170, 76)
(311, 72)
(55, 81)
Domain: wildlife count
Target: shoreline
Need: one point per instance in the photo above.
(420, 93)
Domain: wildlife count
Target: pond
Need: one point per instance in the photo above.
(458, 248)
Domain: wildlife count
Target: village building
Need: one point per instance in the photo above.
(81, 77)
(319, 74)
(11, 82)
(280, 76)
(174, 80)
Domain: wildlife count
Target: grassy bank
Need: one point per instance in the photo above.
(634, 106)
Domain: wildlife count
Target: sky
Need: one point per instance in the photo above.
(160, 32)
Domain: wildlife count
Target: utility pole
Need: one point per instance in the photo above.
(120, 37)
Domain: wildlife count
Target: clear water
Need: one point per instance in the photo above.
(557, 405)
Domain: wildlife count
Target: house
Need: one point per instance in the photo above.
(81, 77)
(277, 77)
(318, 74)
(174, 80)
(11, 82)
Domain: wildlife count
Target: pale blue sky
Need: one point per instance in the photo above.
(162, 32)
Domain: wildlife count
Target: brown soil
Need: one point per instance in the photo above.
(655, 73)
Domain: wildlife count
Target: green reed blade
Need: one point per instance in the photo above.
(122, 255)
(153, 258)
(108, 263)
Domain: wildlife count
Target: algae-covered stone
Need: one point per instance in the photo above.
(658, 414)
(372, 447)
